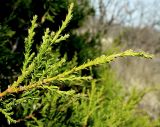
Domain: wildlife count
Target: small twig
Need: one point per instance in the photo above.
(27, 117)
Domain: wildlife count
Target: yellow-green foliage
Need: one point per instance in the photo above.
(37, 97)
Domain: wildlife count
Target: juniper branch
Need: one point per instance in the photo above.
(64, 25)
(100, 60)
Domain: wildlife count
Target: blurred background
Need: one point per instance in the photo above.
(133, 24)
(98, 27)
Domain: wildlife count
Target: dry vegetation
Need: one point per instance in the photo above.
(142, 36)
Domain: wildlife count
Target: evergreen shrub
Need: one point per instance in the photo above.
(52, 92)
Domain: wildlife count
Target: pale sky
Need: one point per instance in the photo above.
(150, 9)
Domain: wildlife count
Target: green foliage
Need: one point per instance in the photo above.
(38, 97)
(108, 104)
(14, 25)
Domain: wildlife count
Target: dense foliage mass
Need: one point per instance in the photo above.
(15, 16)
(52, 91)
